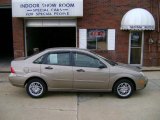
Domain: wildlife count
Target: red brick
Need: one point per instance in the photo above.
(100, 13)
(18, 37)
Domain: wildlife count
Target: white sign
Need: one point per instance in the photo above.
(138, 27)
(47, 8)
(83, 38)
(111, 39)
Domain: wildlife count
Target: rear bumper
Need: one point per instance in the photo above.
(16, 80)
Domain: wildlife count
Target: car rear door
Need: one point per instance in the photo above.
(57, 70)
(87, 74)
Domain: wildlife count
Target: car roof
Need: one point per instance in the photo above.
(59, 49)
(67, 48)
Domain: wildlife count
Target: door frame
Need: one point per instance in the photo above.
(7, 7)
(74, 24)
(142, 49)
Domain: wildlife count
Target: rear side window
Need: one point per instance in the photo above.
(58, 59)
(39, 60)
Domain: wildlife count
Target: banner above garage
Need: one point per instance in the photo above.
(47, 8)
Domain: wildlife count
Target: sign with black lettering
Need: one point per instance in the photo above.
(47, 8)
(137, 27)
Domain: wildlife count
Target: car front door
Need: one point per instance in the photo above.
(57, 70)
(87, 72)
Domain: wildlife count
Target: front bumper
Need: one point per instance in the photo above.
(142, 82)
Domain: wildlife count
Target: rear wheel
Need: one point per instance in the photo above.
(36, 88)
(123, 88)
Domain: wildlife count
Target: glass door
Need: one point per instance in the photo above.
(136, 47)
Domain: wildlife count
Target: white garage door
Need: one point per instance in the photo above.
(51, 22)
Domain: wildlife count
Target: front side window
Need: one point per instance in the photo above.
(83, 60)
(97, 39)
(58, 59)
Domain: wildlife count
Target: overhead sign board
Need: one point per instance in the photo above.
(47, 8)
(138, 27)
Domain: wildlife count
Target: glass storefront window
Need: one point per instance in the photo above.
(135, 56)
(136, 47)
(97, 39)
(136, 39)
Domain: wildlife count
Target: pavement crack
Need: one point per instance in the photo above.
(155, 82)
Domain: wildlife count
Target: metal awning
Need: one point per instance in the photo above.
(138, 19)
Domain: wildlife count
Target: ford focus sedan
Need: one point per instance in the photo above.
(72, 69)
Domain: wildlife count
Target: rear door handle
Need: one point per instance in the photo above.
(49, 68)
(80, 70)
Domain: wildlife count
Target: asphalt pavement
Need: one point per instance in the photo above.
(15, 104)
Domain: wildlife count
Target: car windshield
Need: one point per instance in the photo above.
(107, 60)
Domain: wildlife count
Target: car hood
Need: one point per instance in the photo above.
(129, 67)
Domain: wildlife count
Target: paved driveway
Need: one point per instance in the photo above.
(15, 104)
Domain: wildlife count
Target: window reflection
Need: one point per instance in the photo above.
(136, 47)
(136, 39)
(96, 39)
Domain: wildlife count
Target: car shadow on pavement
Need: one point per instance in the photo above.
(82, 96)
(58, 93)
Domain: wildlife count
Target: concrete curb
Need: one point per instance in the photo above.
(150, 68)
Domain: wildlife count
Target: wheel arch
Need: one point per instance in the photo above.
(35, 77)
(126, 78)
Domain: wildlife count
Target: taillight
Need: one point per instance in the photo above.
(12, 70)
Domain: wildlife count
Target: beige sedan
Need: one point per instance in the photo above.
(72, 69)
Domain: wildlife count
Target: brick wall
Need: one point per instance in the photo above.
(108, 14)
(105, 14)
(18, 33)
(18, 37)
(5, 2)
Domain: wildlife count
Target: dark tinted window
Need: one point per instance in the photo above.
(83, 60)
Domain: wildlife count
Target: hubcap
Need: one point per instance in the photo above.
(35, 88)
(124, 89)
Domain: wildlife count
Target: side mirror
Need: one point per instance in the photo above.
(102, 66)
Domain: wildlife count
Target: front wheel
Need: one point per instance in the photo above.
(36, 88)
(123, 88)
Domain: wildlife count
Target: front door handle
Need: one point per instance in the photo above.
(80, 70)
(49, 68)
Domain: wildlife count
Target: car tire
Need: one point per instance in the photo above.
(123, 88)
(36, 88)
